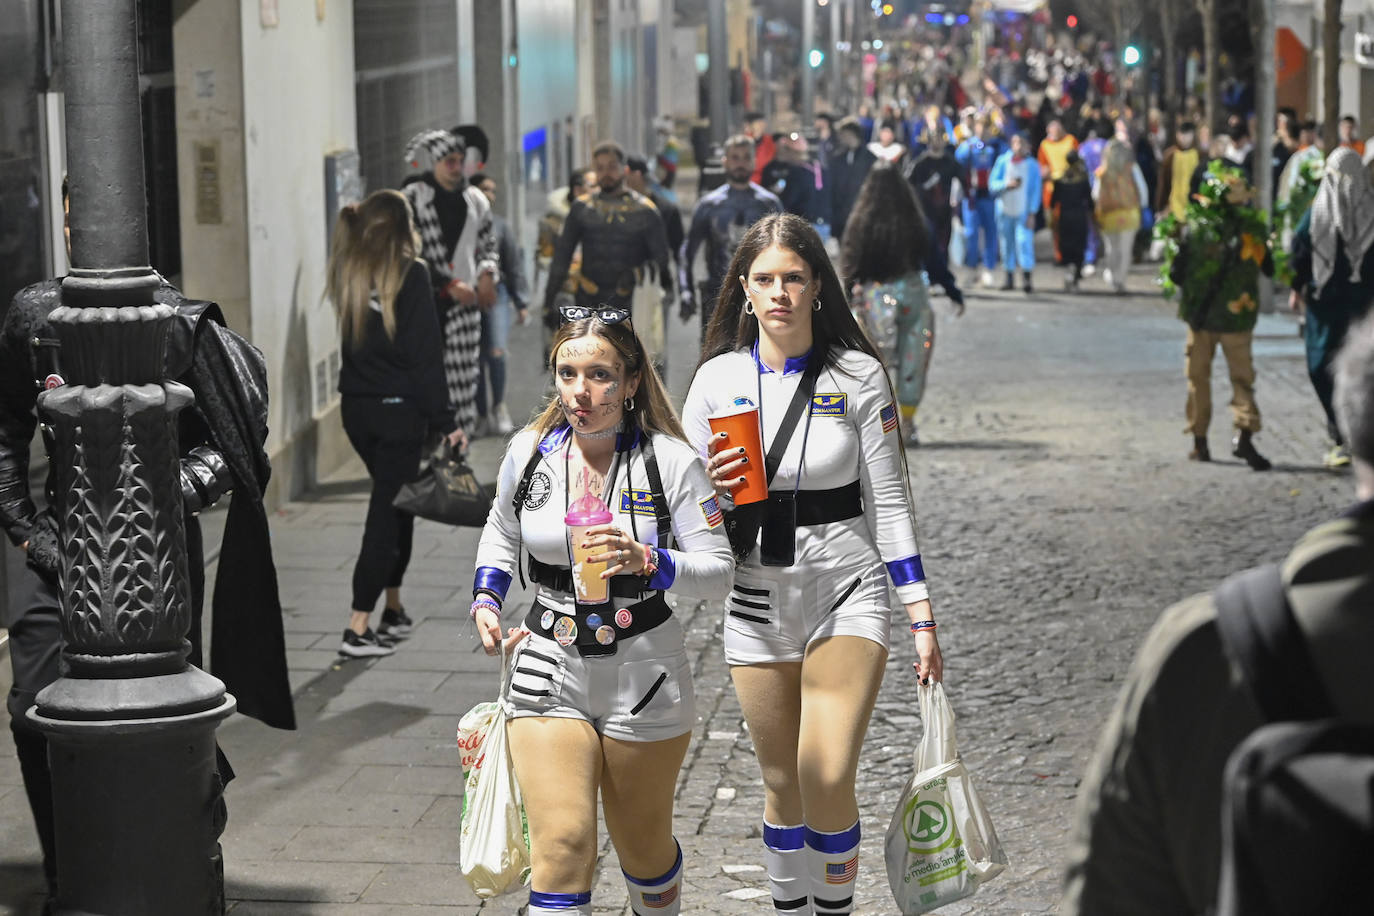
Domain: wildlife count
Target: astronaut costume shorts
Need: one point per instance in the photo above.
(643, 692)
(837, 587)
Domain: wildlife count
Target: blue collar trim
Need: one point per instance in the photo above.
(558, 438)
(791, 366)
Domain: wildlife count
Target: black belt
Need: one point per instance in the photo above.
(819, 507)
(596, 630)
(559, 578)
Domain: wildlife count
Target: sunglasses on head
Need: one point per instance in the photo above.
(604, 313)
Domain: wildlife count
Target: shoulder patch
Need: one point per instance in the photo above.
(541, 487)
(833, 404)
(710, 508)
(637, 502)
(888, 416)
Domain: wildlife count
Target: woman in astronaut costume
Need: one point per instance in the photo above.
(807, 642)
(601, 697)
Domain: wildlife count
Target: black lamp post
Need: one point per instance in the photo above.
(131, 725)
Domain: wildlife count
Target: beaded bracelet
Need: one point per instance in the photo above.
(650, 561)
(483, 603)
(920, 625)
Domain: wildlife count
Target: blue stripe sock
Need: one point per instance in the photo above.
(661, 895)
(788, 876)
(833, 860)
(542, 904)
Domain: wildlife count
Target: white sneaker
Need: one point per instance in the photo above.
(501, 416)
(1089, 269)
(1107, 277)
(986, 280)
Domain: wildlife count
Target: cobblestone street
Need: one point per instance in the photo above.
(1058, 517)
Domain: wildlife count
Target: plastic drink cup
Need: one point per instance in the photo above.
(588, 511)
(741, 428)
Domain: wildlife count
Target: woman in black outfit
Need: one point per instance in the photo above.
(1072, 202)
(394, 393)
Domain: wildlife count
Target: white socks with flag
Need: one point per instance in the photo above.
(661, 896)
(834, 864)
(542, 904)
(788, 875)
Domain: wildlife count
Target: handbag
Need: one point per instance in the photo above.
(447, 491)
(646, 314)
(494, 839)
(941, 845)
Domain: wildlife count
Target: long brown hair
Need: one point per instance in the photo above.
(886, 235)
(832, 327)
(374, 245)
(653, 411)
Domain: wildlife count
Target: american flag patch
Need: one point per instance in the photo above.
(842, 872)
(711, 509)
(889, 417)
(659, 901)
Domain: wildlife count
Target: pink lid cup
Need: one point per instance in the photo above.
(588, 511)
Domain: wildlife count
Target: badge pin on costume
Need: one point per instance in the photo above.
(623, 618)
(565, 631)
(546, 619)
(53, 381)
(593, 621)
(605, 635)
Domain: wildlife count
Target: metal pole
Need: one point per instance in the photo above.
(836, 67)
(718, 74)
(808, 72)
(1266, 104)
(131, 725)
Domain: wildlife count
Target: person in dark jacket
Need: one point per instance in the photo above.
(848, 170)
(1072, 202)
(392, 381)
(221, 439)
(932, 177)
(1333, 274)
(637, 179)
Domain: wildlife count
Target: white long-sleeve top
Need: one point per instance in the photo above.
(854, 435)
(701, 564)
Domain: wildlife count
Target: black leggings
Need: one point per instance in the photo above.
(388, 434)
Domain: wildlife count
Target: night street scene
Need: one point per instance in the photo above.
(557, 457)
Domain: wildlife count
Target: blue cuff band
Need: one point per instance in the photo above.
(667, 570)
(492, 579)
(833, 843)
(903, 572)
(783, 839)
(661, 879)
(560, 901)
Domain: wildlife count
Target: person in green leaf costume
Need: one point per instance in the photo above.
(1214, 258)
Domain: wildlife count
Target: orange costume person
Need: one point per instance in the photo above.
(1054, 160)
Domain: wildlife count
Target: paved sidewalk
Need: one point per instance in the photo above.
(1058, 517)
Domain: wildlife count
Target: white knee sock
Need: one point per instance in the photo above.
(542, 904)
(788, 877)
(834, 864)
(662, 895)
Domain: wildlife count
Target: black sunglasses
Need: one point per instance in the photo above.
(604, 313)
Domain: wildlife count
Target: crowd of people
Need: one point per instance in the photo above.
(820, 250)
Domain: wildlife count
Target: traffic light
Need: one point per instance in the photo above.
(1072, 21)
(1131, 56)
(816, 58)
(887, 9)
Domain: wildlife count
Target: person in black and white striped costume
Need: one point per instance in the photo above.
(460, 247)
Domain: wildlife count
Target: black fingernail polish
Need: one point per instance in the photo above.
(741, 450)
(744, 460)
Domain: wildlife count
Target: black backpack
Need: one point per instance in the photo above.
(1298, 793)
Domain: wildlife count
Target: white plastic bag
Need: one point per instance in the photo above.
(494, 843)
(646, 313)
(941, 845)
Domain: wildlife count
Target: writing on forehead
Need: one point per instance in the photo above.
(588, 348)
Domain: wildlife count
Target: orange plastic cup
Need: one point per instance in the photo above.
(742, 429)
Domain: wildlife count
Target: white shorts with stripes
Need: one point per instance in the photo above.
(838, 587)
(643, 692)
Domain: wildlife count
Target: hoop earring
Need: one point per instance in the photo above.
(748, 306)
(630, 403)
(815, 305)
